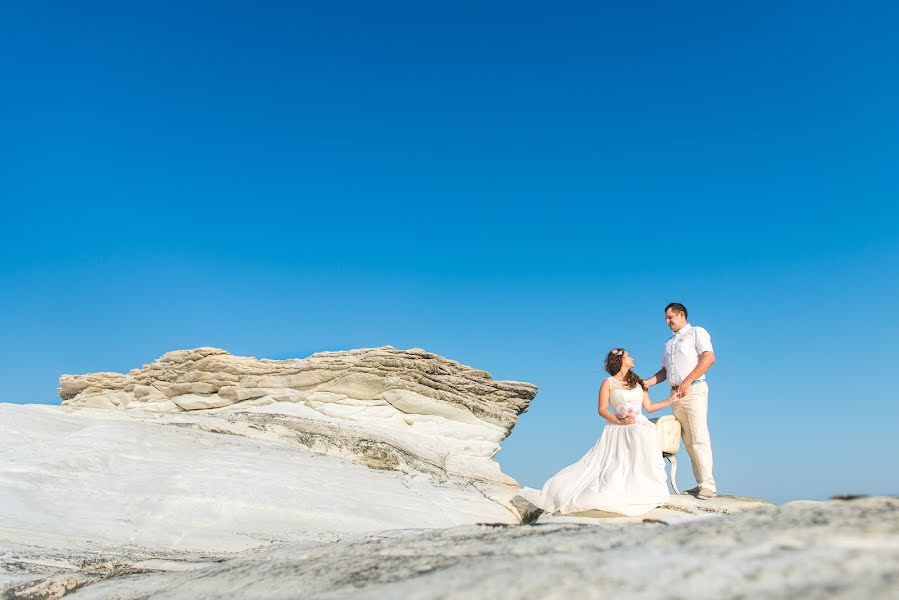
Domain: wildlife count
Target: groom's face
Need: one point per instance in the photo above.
(674, 319)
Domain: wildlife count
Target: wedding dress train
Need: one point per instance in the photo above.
(623, 473)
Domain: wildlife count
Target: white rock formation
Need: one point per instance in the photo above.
(100, 477)
(203, 451)
(387, 408)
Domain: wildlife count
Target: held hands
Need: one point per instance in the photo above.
(683, 389)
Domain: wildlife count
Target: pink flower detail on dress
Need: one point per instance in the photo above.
(627, 410)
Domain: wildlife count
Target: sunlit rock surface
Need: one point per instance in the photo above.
(406, 410)
(201, 450)
(836, 549)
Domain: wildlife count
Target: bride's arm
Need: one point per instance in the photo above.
(650, 406)
(603, 407)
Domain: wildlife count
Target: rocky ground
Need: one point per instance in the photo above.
(837, 549)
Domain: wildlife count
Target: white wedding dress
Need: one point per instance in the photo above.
(623, 473)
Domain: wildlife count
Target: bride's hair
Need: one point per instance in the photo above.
(613, 365)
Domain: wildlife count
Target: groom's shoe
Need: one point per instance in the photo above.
(706, 494)
(692, 491)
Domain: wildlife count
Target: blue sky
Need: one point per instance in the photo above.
(518, 186)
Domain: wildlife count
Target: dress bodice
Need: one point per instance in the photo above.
(622, 399)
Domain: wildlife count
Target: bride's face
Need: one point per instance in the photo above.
(627, 362)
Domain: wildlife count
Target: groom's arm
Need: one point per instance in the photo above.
(657, 378)
(706, 360)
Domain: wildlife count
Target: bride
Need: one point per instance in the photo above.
(623, 473)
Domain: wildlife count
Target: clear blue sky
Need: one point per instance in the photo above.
(519, 186)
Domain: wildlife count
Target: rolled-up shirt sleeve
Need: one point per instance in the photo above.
(703, 341)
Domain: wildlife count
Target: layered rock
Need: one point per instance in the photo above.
(205, 451)
(412, 381)
(388, 408)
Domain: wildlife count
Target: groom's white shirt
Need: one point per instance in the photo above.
(682, 352)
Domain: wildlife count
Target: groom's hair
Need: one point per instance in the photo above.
(677, 307)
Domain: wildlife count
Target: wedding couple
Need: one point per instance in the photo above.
(624, 472)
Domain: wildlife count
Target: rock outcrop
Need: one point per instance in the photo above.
(407, 410)
(204, 451)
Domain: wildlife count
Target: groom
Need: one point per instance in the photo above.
(688, 355)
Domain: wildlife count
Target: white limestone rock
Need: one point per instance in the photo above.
(204, 451)
(75, 478)
(436, 412)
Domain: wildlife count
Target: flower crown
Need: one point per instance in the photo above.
(617, 352)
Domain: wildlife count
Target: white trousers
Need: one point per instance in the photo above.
(691, 412)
